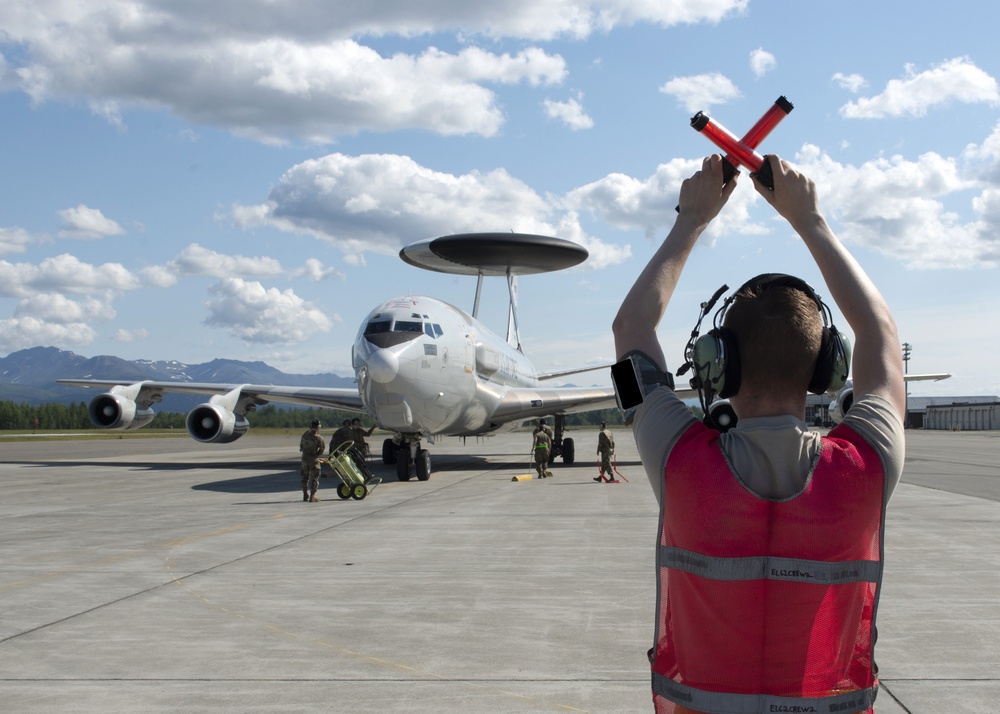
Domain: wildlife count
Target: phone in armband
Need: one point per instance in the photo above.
(635, 376)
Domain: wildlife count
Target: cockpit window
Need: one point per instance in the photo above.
(407, 326)
(376, 326)
(429, 329)
(437, 330)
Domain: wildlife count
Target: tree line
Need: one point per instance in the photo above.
(24, 416)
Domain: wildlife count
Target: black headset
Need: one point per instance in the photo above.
(715, 356)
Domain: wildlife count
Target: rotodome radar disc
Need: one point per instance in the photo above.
(494, 254)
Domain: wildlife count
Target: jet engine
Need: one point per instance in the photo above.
(843, 402)
(118, 412)
(214, 424)
(722, 414)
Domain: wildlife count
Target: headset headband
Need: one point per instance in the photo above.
(765, 281)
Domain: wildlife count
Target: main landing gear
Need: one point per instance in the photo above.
(408, 457)
(560, 446)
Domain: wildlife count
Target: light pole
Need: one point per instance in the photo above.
(906, 370)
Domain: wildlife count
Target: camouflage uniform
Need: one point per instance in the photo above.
(542, 426)
(542, 445)
(606, 447)
(312, 447)
(359, 451)
(340, 436)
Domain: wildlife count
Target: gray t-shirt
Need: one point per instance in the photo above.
(772, 456)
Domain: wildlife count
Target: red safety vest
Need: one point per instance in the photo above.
(768, 606)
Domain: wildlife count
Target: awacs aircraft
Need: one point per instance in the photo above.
(424, 368)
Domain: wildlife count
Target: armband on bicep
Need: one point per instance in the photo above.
(635, 376)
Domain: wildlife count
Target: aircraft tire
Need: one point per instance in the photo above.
(403, 464)
(423, 465)
(344, 491)
(568, 451)
(388, 452)
(359, 491)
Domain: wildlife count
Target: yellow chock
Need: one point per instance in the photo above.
(523, 477)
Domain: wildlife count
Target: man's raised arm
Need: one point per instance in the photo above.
(877, 363)
(702, 197)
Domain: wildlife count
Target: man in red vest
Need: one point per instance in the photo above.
(771, 535)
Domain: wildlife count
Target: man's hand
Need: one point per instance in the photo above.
(703, 195)
(794, 196)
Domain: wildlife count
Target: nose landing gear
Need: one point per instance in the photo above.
(408, 457)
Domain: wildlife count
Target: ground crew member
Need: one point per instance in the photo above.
(542, 426)
(541, 445)
(770, 539)
(342, 435)
(312, 447)
(605, 447)
(360, 449)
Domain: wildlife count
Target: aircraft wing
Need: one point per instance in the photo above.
(925, 377)
(528, 402)
(152, 392)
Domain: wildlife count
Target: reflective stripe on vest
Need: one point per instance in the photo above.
(724, 703)
(768, 606)
(769, 568)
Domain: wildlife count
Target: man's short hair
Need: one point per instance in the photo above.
(315, 424)
(779, 330)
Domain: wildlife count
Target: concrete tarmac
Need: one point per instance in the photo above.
(160, 575)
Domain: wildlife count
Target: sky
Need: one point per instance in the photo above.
(188, 180)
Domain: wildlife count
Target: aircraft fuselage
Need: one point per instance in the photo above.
(426, 367)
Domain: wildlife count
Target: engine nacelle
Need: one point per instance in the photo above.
(214, 424)
(843, 402)
(722, 414)
(117, 412)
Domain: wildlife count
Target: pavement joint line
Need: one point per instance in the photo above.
(884, 688)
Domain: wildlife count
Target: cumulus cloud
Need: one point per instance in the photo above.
(701, 91)
(570, 113)
(762, 62)
(55, 307)
(380, 202)
(58, 299)
(895, 206)
(253, 313)
(853, 83)
(123, 335)
(957, 80)
(85, 222)
(22, 333)
(64, 273)
(277, 71)
(314, 270)
(196, 260)
(650, 204)
(14, 240)
(158, 276)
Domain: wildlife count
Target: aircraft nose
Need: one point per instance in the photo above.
(383, 366)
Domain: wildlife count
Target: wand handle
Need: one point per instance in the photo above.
(741, 151)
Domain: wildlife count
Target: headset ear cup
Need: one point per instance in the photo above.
(708, 365)
(823, 371)
(832, 364)
(841, 367)
(703, 358)
(730, 383)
